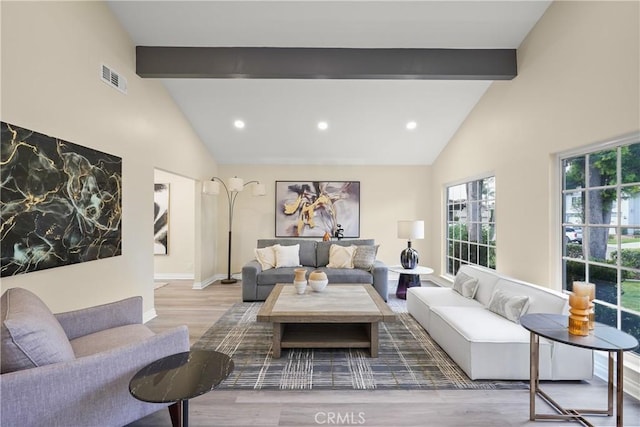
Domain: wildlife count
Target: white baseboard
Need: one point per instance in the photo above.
(206, 282)
(173, 276)
(148, 315)
(631, 371)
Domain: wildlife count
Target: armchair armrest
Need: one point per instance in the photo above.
(85, 390)
(250, 273)
(89, 320)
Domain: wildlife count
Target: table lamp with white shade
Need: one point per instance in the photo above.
(410, 230)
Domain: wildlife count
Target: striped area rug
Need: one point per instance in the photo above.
(408, 359)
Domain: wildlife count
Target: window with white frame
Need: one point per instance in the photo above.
(471, 224)
(601, 229)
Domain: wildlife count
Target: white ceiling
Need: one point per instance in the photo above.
(366, 118)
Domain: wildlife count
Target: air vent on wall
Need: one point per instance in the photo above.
(113, 79)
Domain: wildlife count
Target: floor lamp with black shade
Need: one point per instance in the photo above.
(232, 188)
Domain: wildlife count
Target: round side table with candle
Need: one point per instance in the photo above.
(602, 337)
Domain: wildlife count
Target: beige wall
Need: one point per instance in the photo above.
(577, 85)
(179, 261)
(388, 194)
(50, 84)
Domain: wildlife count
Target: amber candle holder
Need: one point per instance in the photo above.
(589, 289)
(578, 314)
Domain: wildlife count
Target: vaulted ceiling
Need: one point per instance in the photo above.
(366, 119)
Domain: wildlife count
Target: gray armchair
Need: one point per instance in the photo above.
(88, 386)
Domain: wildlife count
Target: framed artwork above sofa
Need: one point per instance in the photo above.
(317, 208)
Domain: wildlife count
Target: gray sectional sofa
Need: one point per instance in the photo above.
(314, 255)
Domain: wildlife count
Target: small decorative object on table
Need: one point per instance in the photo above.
(588, 289)
(318, 280)
(339, 233)
(299, 280)
(579, 314)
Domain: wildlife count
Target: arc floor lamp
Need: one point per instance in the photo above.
(233, 187)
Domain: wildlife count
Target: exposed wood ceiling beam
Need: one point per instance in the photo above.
(325, 63)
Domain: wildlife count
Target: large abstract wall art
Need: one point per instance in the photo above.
(313, 208)
(161, 219)
(60, 203)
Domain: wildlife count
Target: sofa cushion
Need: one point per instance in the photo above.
(266, 257)
(420, 301)
(307, 251)
(541, 300)
(347, 275)
(437, 296)
(108, 339)
(487, 280)
(486, 345)
(365, 257)
(478, 324)
(287, 256)
(276, 275)
(509, 306)
(341, 256)
(323, 248)
(31, 335)
(465, 285)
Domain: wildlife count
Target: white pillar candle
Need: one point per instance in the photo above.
(585, 288)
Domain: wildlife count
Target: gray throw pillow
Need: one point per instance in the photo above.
(365, 257)
(465, 285)
(31, 335)
(509, 306)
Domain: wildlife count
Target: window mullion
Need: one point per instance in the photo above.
(619, 235)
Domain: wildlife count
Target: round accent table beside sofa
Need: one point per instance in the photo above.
(409, 277)
(180, 377)
(603, 338)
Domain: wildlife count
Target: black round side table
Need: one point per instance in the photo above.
(603, 337)
(178, 378)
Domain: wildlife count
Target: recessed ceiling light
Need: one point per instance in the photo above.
(239, 124)
(323, 125)
(411, 125)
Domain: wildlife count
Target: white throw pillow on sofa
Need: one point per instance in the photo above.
(509, 306)
(287, 256)
(266, 257)
(465, 285)
(341, 256)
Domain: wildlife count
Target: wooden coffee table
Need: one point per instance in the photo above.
(341, 316)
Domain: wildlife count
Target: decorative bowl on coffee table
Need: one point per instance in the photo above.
(318, 285)
(318, 280)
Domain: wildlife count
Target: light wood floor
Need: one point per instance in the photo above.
(177, 304)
